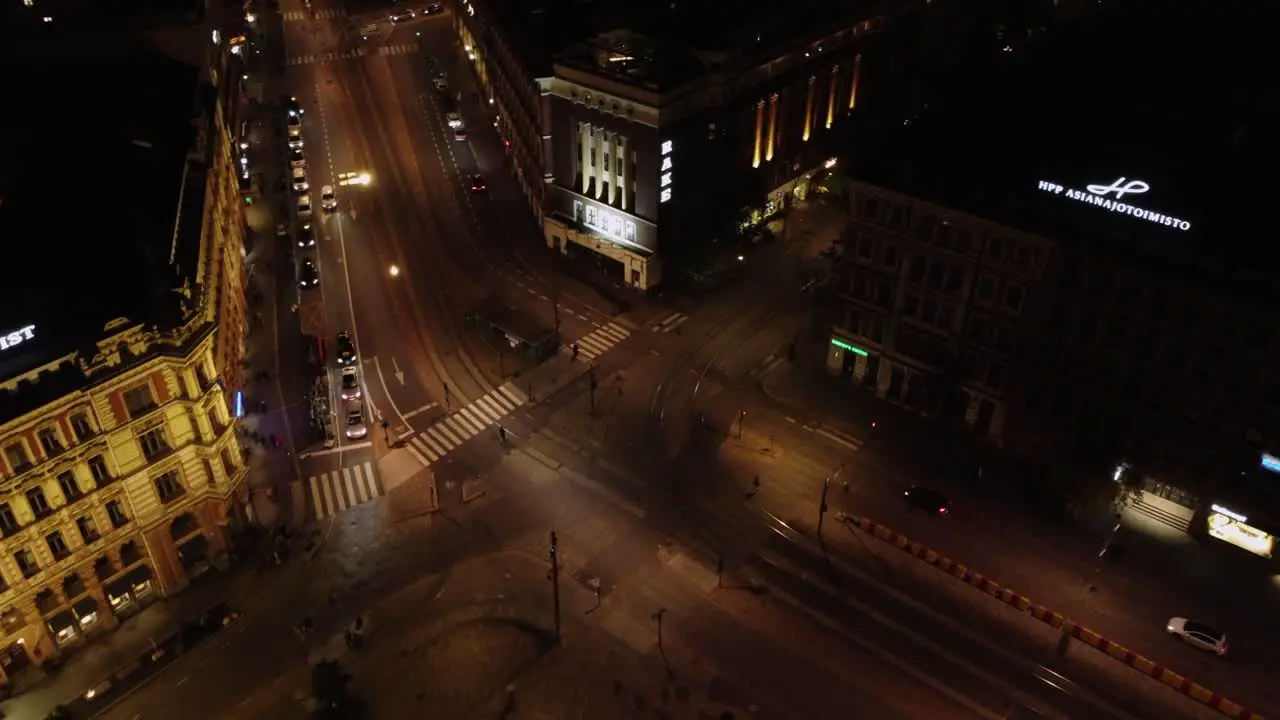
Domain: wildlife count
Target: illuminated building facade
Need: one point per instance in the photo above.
(746, 115)
(121, 477)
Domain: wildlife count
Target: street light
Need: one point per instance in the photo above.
(394, 271)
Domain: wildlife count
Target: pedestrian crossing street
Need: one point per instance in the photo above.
(319, 14)
(670, 322)
(595, 343)
(331, 493)
(402, 49)
(454, 429)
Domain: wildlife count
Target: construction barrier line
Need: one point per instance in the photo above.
(1056, 620)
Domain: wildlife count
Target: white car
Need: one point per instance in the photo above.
(350, 382)
(295, 140)
(399, 16)
(356, 427)
(439, 84)
(328, 201)
(304, 206)
(454, 120)
(300, 180)
(1198, 635)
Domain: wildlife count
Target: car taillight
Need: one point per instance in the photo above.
(942, 511)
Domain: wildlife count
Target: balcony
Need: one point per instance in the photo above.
(156, 451)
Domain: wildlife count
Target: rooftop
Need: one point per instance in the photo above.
(96, 201)
(537, 29)
(1187, 127)
(660, 44)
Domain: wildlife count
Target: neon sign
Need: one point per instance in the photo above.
(664, 181)
(1108, 197)
(11, 340)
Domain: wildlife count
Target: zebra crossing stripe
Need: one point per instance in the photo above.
(475, 418)
(315, 495)
(346, 479)
(448, 434)
(493, 409)
(434, 443)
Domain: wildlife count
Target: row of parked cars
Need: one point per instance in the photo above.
(304, 231)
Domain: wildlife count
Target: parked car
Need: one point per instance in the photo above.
(927, 498)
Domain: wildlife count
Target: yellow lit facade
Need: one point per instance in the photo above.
(115, 494)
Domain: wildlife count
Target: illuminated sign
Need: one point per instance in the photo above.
(664, 180)
(606, 223)
(851, 348)
(11, 340)
(1108, 197)
(1271, 462)
(1230, 527)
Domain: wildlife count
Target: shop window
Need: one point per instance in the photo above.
(169, 487)
(81, 426)
(182, 526)
(115, 511)
(139, 401)
(69, 486)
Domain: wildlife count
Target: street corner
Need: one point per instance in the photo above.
(751, 447)
(413, 498)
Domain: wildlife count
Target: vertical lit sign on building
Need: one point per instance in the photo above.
(664, 179)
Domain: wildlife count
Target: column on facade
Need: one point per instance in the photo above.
(831, 95)
(773, 126)
(808, 108)
(857, 77)
(624, 170)
(755, 153)
(584, 141)
(610, 175)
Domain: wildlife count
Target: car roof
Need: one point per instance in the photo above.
(327, 189)
(299, 171)
(1199, 627)
(349, 370)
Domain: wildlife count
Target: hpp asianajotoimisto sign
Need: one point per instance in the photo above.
(1109, 197)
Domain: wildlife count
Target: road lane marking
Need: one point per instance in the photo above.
(335, 492)
(338, 449)
(836, 436)
(419, 411)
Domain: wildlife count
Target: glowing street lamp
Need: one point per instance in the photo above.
(394, 271)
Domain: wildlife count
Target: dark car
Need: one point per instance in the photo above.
(927, 498)
(477, 184)
(306, 238)
(291, 106)
(308, 274)
(399, 16)
(346, 349)
(434, 9)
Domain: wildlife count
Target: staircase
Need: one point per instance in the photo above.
(1173, 520)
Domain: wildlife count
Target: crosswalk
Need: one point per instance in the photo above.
(317, 14)
(330, 493)
(595, 343)
(403, 49)
(670, 322)
(453, 430)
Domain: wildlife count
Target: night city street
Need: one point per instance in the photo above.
(495, 367)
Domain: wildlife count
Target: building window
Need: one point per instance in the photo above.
(38, 502)
(995, 376)
(98, 466)
(1013, 298)
(115, 513)
(955, 279)
(169, 487)
(139, 401)
(915, 269)
(890, 256)
(8, 521)
(57, 545)
(70, 486)
(12, 621)
(866, 248)
(16, 454)
(202, 377)
(26, 562)
(129, 553)
(986, 289)
(50, 441)
(910, 304)
(937, 272)
(995, 248)
(73, 586)
(153, 443)
(88, 529)
(102, 568)
(81, 426)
